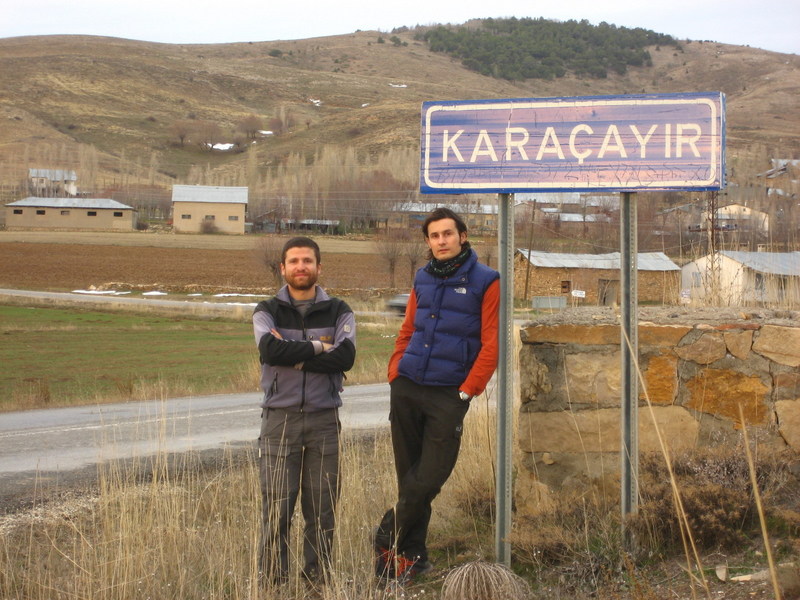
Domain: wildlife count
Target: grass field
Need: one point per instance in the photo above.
(57, 357)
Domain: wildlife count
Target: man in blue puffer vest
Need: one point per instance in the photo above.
(306, 341)
(445, 355)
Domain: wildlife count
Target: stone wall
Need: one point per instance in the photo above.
(698, 368)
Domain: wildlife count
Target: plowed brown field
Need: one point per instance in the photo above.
(70, 266)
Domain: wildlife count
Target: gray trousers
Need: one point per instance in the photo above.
(298, 455)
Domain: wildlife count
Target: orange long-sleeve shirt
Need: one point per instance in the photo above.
(486, 361)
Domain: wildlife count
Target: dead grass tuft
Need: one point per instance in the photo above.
(481, 580)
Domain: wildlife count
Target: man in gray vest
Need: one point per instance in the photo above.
(306, 341)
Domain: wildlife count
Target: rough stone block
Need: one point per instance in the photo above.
(720, 392)
(739, 343)
(661, 379)
(599, 430)
(708, 348)
(781, 344)
(788, 413)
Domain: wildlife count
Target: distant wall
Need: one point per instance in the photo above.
(698, 367)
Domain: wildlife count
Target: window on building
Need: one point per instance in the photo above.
(17, 211)
(117, 213)
(697, 279)
(91, 213)
(186, 217)
(566, 287)
(760, 282)
(233, 217)
(40, 211)
(65, 213)
(209, 217)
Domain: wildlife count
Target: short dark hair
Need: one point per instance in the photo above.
(300, 242)
(444, 213)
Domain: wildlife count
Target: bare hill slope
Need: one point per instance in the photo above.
(109, 103)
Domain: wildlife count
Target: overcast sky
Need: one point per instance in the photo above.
(771, 26)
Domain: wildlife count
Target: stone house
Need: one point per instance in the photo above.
(208, 208)
(594, 279)
(731, 278)
(70, 213)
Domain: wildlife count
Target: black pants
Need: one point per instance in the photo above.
(426, 422)
(299, 455)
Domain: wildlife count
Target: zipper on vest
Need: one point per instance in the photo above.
(303, 387)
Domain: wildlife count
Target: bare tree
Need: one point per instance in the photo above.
(181, 130)
(489, 252)
(414, 253)
(206, 134)
(268, 252)
(250, 126)
(390, 248)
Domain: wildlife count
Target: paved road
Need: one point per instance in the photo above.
(49, 445)
(239, 310)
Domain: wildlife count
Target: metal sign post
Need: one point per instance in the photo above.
(505, 380)
(629, 345)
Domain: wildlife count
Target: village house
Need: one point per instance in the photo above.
(588, 279)
(52, 183)
(480, 217)
(737, 217)
(738, 278)
(208, 209)
(70, 213)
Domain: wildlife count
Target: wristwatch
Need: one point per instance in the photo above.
(464, 396)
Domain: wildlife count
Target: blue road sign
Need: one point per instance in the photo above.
(610, 143)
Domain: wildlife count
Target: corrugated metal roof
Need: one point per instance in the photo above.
(53, 174)
(103, 203)
(773, 263)
(646, 261)
(460, 209)
(209, 193)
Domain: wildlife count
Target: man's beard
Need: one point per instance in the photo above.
(307, 284)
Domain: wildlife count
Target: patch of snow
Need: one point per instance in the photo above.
(100, 292)
(232, 294)
(398, 85)
(315, 102)
(266, 132)
(365, 104)
(222, 147)
(154, 293)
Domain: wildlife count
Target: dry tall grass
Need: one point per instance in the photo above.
(187, 527)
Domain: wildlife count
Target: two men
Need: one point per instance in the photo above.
(445, 355)
(306, 341)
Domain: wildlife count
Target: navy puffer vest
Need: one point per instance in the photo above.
(447, 324)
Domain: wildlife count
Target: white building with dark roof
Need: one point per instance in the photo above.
(70, 213)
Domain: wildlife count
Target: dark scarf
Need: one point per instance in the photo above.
(445, 268)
